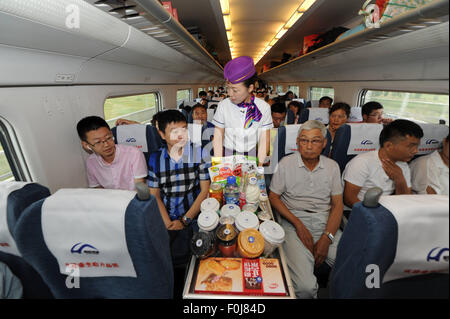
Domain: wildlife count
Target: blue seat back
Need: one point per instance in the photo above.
(340, 146)
(370, 240)
(17, 201)
(290, 117)
(147, 241)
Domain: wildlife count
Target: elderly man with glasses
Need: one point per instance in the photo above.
(109, 165)
(306, 190)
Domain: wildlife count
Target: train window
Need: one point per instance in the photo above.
(183, 95)
(12, 163)
(294, 89)
(5, 171)
(315, 93)
(419, 107)
(139, 108)
(280, 88)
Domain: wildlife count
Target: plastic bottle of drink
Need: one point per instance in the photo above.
(261, 179)
(231, 191)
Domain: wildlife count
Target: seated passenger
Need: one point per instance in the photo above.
(339, 114)
(203, 95)
(306, 190)
(269, 100)
(178, 178)
(296, 108)
(289, 96)
(386, 168)
(429, 173)
(372, 112)
(200, 115)
(110, 165)
(325, 102)
(278, 114)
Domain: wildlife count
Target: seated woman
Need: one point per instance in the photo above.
(296, 107)
(339, 114)
(429, 174)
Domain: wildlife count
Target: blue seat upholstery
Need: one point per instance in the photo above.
(340, 146)
(290, 117)
(370, 238)
(17, 201)
(154, 140)
(304, 115)
(147, 241)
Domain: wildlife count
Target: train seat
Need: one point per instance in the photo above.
(394, 248)
(98, 243)
(144, 137)
(14, 198)
(433, 135)
(355, 115)
(353, 139)
(315, 113)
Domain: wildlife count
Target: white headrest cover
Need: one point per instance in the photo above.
(86, 227)
(422, 245)
(355, 114)
(433, 134)
(133, 134)
(7, 242)
(364, 138)
(291, 138)
(319, 114)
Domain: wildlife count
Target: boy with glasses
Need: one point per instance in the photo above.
(110, 165)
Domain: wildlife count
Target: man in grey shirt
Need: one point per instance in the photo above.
(306, 190)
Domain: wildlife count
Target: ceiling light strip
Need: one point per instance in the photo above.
(295, 16)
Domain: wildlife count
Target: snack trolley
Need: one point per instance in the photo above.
(191, 276)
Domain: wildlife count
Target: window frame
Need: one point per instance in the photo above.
(157, 102)
(13, 152)
(363, 92)
(191, 98)
(320, 87)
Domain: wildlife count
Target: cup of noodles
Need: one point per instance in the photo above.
(250, 243)
(273, 235)
(246, 220)
(207, 221)
(210, 204)
(230, 210)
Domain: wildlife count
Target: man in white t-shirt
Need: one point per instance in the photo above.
(387, 167)
(429, 174)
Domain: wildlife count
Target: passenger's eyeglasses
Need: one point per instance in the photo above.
(315, 142)
(107, 140)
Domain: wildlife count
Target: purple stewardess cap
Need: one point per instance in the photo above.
(239, 69)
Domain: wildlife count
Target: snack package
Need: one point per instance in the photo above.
(222, 167)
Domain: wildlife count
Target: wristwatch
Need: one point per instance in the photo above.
(329, 235)
(185, 220)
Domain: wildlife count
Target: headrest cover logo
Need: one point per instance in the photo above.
(82, 248)
(366, 142)
(432, 141)
(130, 140)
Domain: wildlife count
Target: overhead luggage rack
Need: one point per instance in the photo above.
(151, 18)
(434, 14)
